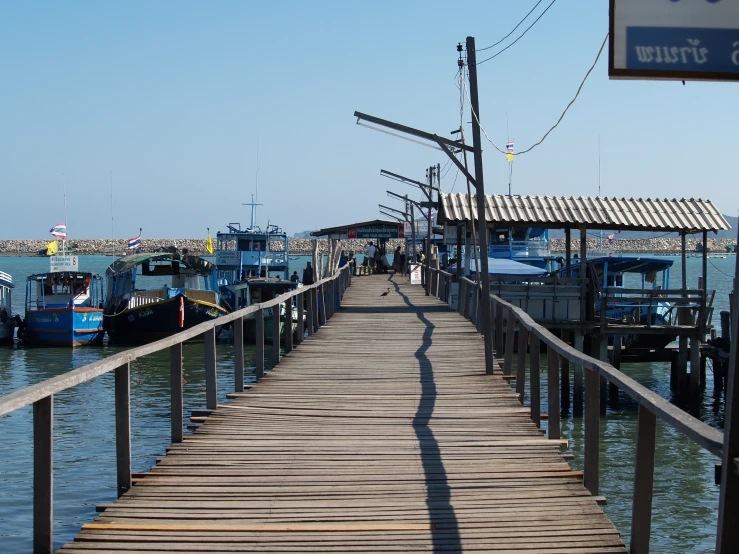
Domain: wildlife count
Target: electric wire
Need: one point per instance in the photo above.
(717, 269)
(520, 37)
(561, 117)
(455, 181)
(514, 29)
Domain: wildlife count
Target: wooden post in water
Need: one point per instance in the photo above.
(523, 344)
(123, 426)
(499, 346)
(509, 344)
(275, 335)
(577, 389)
(300, 299)
(592, 431)
(43, 476)
(564, 381)
(553, 407)
(175, 390)
(314, 249)
(239, 355)
(288, 325)
(615, 362)
(695, 354)
(259, 342)
(727, 536)
(211, 384)
(641, 509)
(535, 379)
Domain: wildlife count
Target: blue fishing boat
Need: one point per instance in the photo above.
(139, 309)
(253, 268)
(611, 274)
(63, 307)
(528, 245)
(7, 318)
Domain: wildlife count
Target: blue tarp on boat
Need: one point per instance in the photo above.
(505, 268)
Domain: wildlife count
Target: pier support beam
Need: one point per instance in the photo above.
(43, 476)
(259, 342)
(564, 379)
(211, 382)
(123, 427)
(577, 389)
(175, 390)
(239, 355)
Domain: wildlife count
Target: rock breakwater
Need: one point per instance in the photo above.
(303, 246)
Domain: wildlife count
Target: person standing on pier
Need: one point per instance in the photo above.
(308, 275)
(371, 251)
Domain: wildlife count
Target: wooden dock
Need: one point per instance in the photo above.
(380, 433)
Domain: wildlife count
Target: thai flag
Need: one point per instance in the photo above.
(610, 239)
(59, 231)
(509, 146)
(135, 242)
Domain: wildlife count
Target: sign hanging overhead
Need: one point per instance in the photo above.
(376, 232)
(674, 39)
(63, 263)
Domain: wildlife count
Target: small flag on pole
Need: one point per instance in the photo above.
(509, 157)
(134, 242)
(509, 146)
(209, 243)
(52, 248)
(59, 231)
(610, 239)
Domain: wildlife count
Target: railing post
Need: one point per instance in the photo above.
(535, 377)
(43, 476)
(300, 299)
(510, 334)
(316, 314)
(288, 325)
(493, 325)
(499, 327)
(175, 390)
(321, 305)
(123, 426)
(239, 355)
(311, 316)
(211, 385)
(577, 388)
(275, 335)
(641, 509)
(467, 301)
(553, 424)
(259, 342)
(592, 431)
(523, 340)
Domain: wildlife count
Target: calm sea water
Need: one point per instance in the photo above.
(685, 499)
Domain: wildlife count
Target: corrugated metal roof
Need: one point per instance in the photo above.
(343, 228)
(558, 212)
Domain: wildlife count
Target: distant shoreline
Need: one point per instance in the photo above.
(302, 247)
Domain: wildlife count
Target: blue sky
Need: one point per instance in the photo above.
(173, 97)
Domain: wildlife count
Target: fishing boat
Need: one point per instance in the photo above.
(64, 306)
(253, 268)
(7, 318)
(527, 245)
(140, 308)
(611, 274)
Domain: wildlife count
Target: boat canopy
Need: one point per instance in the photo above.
(504, 267)
(630, 264)
(6, 280)
(201, 266)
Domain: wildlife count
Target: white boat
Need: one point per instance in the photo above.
(7, 318)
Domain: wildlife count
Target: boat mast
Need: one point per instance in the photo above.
(112, 228)
(64, 240)
(601, 231)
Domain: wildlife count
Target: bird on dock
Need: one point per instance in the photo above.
(386, 292)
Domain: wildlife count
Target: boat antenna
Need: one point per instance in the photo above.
(64, 188)
(256, 189)
(112, 227)
(601, 231)
(510, 164)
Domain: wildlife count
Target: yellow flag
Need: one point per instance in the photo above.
(509, 157)
(209, 244)
(52, 248)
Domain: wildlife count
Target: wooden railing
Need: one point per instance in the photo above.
(322, 299)
(512, 319)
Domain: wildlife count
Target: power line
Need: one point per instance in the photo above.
(560, 117)
(520, 37)
(514, 29)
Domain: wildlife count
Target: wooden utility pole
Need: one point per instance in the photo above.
(481, 219)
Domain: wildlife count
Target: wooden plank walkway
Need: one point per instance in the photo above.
(380, 433)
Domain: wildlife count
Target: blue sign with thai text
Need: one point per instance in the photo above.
(683, 49)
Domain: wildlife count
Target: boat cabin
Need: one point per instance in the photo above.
(6, 297)
(63, 289)
(246, 254)
(529, 245)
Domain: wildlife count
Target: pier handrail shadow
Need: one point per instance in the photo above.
(322, 298)
(511, 319)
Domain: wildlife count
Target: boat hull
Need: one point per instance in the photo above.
(6, 332)
(159, 320)
(250, 330)
(63, 326)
